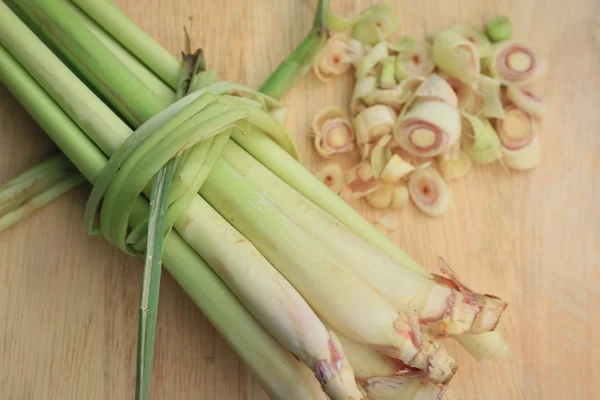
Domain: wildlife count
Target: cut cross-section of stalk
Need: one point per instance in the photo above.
(416, 62)
(428, 129)
(515, 63)
(429, 192)
(333, 132)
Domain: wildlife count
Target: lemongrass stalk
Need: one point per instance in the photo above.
(277, 305)
(271, 155)
(40, 196)
(155, 84)
(447, 310)
(281, 375)
(297, 64)
(485, 346)
(84, 50)
(33, 182)
(107, 15)
(336, 293)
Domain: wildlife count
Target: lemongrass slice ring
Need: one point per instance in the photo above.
(332, 176)
(527, 101)
(428, 129)
(379, 21)
(476, 36)
(334, 59)
(515, 63)
(517, 129)
(456, 56)
(374, 122)
(436, 88)
(361, 179)
(333, 132)
(479, 139)
(524, 158)
(416, 62)
(429, 191)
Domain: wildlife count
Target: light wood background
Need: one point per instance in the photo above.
(68, 302)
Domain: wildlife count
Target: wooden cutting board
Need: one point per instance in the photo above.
(68, 302)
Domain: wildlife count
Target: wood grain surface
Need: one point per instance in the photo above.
(68, 301)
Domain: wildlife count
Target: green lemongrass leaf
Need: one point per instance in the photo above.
(141, 166)
(165, 118)
(151, 280)
(157, 231)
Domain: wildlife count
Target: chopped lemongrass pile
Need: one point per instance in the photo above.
(455, 100)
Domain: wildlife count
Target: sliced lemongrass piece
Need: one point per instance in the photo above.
(475, 36)
(364, 90)
(373, 57)
(515, 63)
(387, 79)
(374, 23)
(333, 132)
(499, 28)
(374, 122)
(456, 56)
(399, 95)
(381, 197)
(523, 158)
(527, 101)
(469, 99)
(334, 58)
(479, 139)
(403, 44)
(380, 154)
(517, 129)
(491, 95)
(332, 176)
(400, 197)
(361, 179)
(416, 62)
(454, 167)
(395, 169)
(429, 191)
(355, 51)
(436, 88)
(428, 128)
